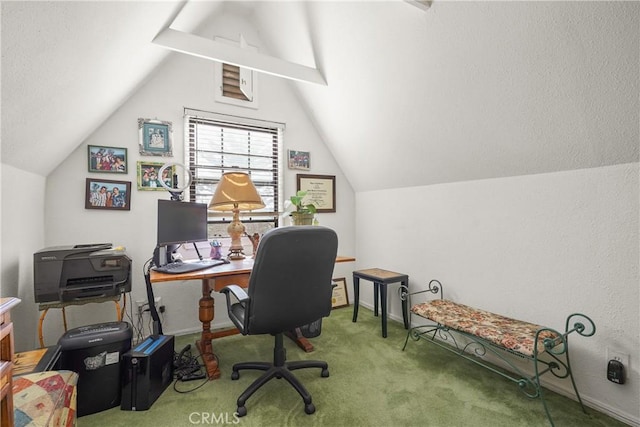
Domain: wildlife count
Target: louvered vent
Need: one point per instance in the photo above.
(233, 83)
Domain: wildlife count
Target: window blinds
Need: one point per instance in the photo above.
(222, 144)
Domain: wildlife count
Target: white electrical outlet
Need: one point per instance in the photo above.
(619, 356)
(141, 305)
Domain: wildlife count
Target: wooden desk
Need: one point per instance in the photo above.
(214, 279)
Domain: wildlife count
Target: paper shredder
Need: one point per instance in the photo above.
(95, 353)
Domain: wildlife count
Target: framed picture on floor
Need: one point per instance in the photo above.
(339, 297)
(107, 194)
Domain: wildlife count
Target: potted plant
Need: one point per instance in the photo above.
(304, 213)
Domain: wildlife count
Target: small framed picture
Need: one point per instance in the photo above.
(107, 159)
(149, 175)
(155, 137)
(299, 159)
(107, 194)
(339, 298)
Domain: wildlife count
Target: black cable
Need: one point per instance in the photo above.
(157, 324)
(187, 364)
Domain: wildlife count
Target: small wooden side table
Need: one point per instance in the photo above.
(381, 278)
(44, 307)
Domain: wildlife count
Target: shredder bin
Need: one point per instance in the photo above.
(95, 353)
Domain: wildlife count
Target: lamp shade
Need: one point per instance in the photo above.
(235, 191)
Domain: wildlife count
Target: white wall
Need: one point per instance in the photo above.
(182, 81)
(536, 247)
(22, 235)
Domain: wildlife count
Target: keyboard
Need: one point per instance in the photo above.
(178, 267)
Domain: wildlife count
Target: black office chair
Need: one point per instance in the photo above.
(290, 286)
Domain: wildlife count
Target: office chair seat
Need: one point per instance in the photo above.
(290, 286)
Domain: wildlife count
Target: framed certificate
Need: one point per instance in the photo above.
(321, 191)
(339, 298)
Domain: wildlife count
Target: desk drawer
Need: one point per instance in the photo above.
(218, 283)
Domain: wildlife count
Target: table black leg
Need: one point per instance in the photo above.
(383, 302)
(376, 292)
(356, 296)
(405, 304)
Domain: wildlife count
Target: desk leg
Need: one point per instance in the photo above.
(300, 340)
(206, 313)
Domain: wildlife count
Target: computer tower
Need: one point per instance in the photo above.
(148, 371)
(95, 353)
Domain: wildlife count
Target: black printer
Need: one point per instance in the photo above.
(71, 273)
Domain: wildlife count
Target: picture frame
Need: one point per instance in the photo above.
(299, 159)
(155, 137)
(105, 159)
(339, 296)
(321, 191)
(107, 194)
(148, 174)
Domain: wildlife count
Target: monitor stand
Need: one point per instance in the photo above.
(162, 254)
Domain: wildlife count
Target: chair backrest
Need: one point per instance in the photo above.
(290, 284)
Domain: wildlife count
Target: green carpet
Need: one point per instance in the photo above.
(372, 383)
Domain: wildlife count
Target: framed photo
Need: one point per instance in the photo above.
(107, 159)
(299, 159)
(339, 298)
(107, 194)
(149, 176)
(155, 137)
(321, 190)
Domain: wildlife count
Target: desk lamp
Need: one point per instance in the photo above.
(235, 192)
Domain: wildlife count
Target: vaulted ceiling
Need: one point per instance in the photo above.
(464, 90)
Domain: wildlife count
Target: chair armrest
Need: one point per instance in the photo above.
(237, 292)
(238, 309)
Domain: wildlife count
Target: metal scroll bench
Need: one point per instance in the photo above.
(488, 333)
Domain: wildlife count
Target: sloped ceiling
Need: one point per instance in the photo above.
(465, 90)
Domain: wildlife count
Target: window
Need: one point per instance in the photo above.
(216, 144)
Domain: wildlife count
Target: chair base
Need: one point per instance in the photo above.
(279, 369)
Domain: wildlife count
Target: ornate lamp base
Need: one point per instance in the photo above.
(236, 254)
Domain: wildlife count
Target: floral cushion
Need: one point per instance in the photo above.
(45, 399)
(514, 335)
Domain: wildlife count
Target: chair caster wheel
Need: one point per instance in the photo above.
(241, 411)
(309, 408)
(235, 375)
(325, 373)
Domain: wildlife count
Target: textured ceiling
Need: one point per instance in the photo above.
(465, 90)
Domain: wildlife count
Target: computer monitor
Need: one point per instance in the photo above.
(178, 223)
